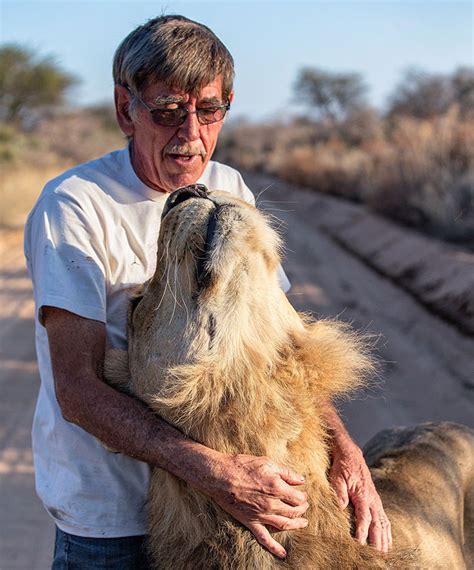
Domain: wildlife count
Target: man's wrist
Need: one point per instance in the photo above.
(341, 441)
(344, 446)
(194, 463)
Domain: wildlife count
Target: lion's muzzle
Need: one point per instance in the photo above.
(184, 193)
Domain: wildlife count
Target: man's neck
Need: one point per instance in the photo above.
(139, 171)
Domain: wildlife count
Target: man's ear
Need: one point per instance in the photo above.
(122, 105)
(231, 97)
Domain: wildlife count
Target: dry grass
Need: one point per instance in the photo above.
(19, 189)
(29, 159)
(419, 172)
(433, 162)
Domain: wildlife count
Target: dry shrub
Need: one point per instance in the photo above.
(79, 136)
(425, 176)
(417, 171)
(29, 159)
(19, 190)
(331, 168)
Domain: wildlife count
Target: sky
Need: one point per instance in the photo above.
(269, 40)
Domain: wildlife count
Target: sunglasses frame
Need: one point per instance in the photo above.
(183, 112)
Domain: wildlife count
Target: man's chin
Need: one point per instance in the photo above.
(186, 176)
(178, 181)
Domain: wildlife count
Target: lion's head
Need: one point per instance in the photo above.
(222, 245)
(216, 283)
(213, 319)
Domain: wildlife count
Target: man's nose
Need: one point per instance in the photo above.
(189, 130)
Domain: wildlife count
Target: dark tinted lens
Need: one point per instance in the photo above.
(168, 117)
(176, 117)
(211, 115)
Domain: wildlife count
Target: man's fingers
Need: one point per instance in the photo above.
(389, 535)
(290, 496)
(376, 535)
(340, 486)
(283, 523)
(263, 536)
(380, 533)
(279, 508)
(282, 486)
(387, 527)
(363, 520)
(282, 509)
(290, 476)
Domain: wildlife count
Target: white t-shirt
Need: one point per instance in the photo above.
(90, 238)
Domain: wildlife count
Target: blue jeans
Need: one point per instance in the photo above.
(79, 553)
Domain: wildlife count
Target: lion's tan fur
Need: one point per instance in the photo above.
(235, 367)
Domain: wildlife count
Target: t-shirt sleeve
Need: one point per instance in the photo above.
(248, 196)
(66, 258)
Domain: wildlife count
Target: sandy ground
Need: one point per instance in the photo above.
(26, 531)
(427, 365)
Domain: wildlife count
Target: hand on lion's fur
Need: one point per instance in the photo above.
(351, 479)
(260, 493)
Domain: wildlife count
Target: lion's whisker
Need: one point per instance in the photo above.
(174, 292)
(278, 202)
(165, 272)
(277, 210)
(189, 284)
(257, 198)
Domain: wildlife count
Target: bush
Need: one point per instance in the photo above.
(417, 171)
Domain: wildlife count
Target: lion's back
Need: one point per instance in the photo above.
(425, 476)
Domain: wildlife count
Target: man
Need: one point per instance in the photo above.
(92, 237)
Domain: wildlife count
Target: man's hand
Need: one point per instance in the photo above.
(258, 493)
(352, 482)
(351, 479)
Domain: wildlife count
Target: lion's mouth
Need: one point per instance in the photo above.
(182, 194)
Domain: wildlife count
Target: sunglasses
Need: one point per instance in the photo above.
(176, 117)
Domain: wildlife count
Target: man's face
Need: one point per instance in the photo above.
(166, 158)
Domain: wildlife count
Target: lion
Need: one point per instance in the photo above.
(216, 349)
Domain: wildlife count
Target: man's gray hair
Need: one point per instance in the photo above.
(173, 49)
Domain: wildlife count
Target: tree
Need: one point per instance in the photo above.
(421, 94)
(28, 83)
(331, 95)
(462, 82)
(425, 95)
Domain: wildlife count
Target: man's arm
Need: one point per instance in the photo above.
(254, 490)
(352, 481)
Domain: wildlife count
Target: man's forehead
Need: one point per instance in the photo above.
(164, 92)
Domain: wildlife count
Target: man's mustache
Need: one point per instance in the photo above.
(187, 150)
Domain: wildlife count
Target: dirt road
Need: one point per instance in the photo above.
(427, 364)
(26, 532)
(427, 370)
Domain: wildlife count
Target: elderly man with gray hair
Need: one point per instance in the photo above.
(92, 237)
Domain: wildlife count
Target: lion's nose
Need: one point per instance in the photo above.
(185, 193)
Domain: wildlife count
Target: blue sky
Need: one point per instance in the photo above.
(270, 40)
